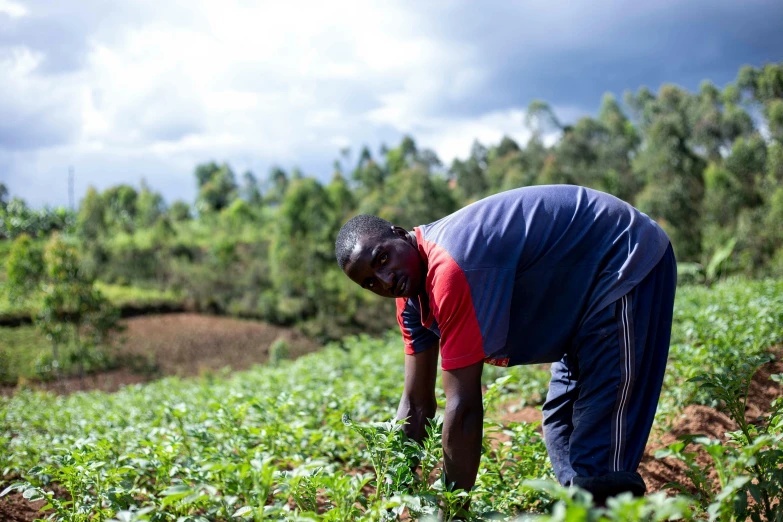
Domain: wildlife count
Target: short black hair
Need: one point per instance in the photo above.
(356, 227)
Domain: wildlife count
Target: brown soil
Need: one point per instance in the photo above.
(186, 345)
(190, 344)
(701, 420)
(527, 414)
(15, 508)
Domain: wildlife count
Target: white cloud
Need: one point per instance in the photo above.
(453, 138)
(12, 9)
(232, 80)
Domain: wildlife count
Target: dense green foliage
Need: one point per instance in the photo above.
(708, 166)
(16, 218)
(68, 307)
(27, 355)
(285, 441)
(26, 352)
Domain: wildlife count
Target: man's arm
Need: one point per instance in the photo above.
(463, 425)
(418, 397)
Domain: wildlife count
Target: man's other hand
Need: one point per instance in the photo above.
(463, 425)
(418, 402)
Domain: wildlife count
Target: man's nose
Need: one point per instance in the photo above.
(387, 279)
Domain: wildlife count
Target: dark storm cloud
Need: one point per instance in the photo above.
(570, 55)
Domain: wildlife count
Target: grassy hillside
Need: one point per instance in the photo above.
(120, 296)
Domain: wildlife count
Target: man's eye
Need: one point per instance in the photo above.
(384, 257)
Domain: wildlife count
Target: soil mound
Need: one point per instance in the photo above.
(190, 344)
(701, 420)
(186, 345)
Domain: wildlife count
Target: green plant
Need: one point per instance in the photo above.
(278, 351)
(390, 454)
(749, 464)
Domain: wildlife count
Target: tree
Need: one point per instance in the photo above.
(508, 171)
(764, 87)
(120, 204)
(621, 143)
(470, 173)
(64, 294)
(341, 200)
(217, 187)
(708, 128)
(180, 211)
(717, 120)
(365, 156)
(747, 162)
(149, 206)
(368, 173)
(411, 197)
(278, 179)
(576, 156)
(24, 268)
(91, 220)
(3, 196)
(774, 114)
(540, 118)
(70, 298)
(250, 191)
(239, 213)
(204, 173)
(673, 173)
(402, 156)
(302, 246)
(505, 147)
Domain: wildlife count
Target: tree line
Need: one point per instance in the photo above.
(707, 165)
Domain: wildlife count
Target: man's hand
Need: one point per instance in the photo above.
(418, 397)
(463, 425)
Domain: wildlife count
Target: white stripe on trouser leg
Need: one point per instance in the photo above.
(626, 384)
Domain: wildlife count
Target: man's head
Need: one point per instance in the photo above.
(380, 257)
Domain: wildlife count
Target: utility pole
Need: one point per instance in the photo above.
(70, 187)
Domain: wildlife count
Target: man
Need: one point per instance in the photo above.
(547, 274)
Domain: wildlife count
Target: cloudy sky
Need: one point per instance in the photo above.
(148, 88)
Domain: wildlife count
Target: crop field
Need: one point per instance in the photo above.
(311, 439)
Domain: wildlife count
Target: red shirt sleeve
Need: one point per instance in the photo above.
(407, 338)
(416, 337)
(461, 343)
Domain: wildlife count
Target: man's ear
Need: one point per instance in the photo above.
(400, 232)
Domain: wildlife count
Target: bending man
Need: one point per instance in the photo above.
(547, 274)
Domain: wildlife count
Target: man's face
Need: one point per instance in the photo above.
(389, 267)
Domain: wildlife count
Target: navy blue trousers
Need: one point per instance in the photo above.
(603, 394)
